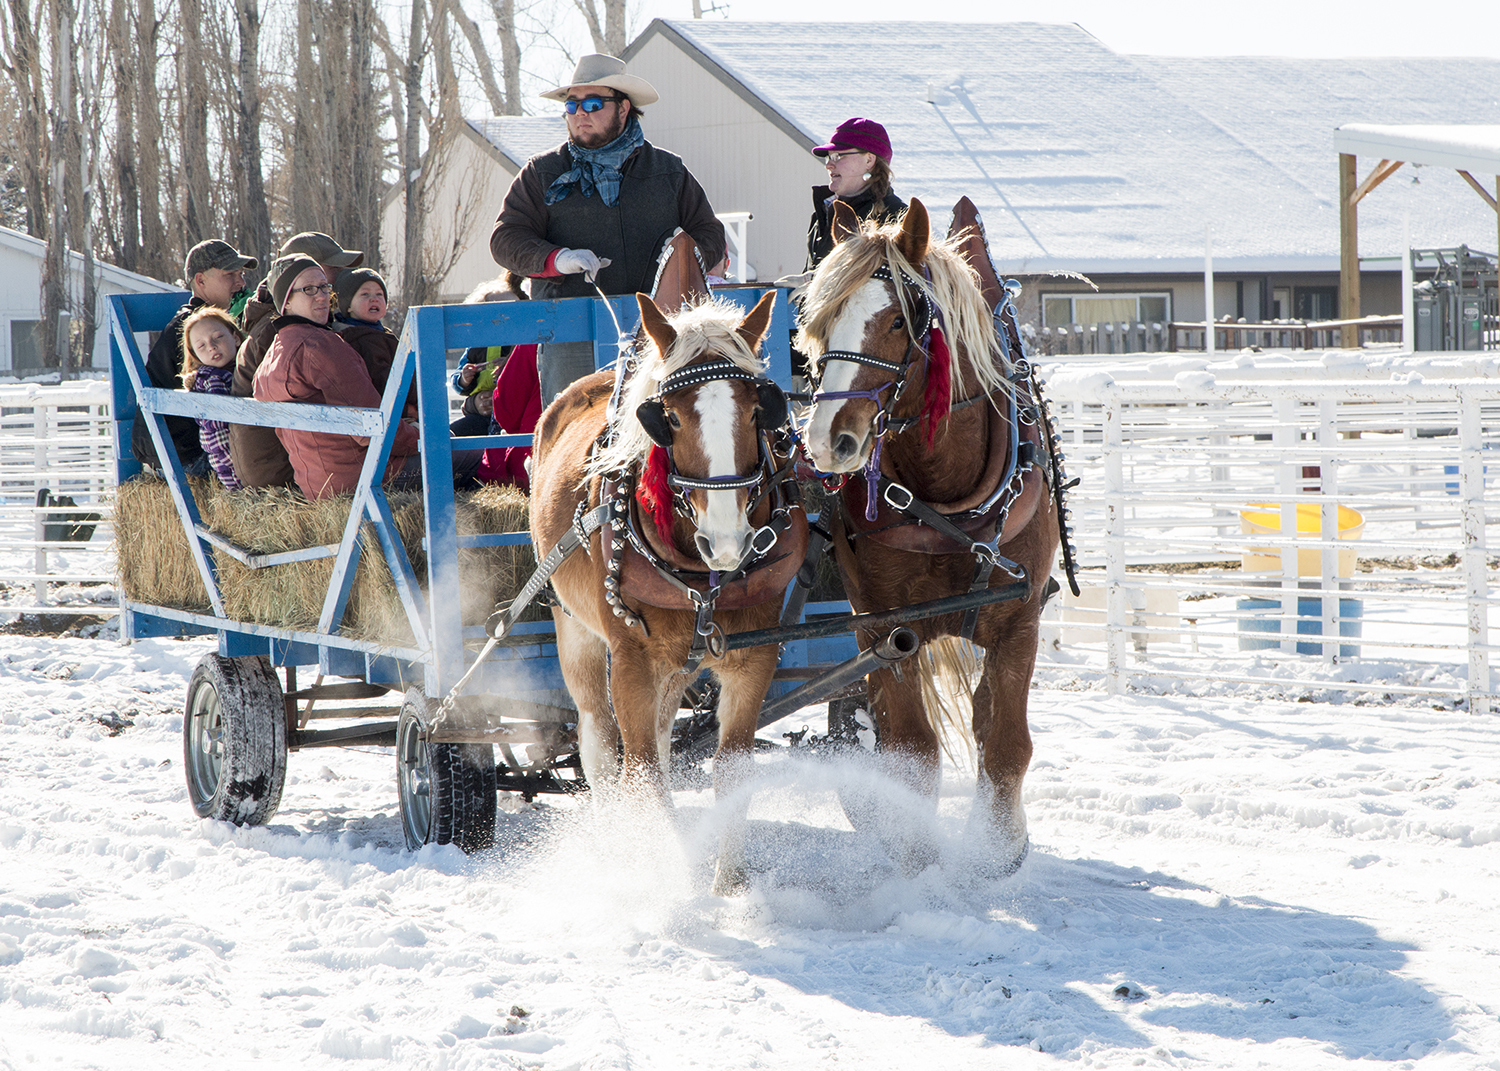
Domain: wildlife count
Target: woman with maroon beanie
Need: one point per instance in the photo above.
(858, 158)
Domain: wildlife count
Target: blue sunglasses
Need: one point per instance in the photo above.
(589, 105)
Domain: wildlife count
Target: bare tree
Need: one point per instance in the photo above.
(197, 213)
(23, 64)
(413, 281)
(252, 214)
(55, 262)
(607, 31)
(127, 193)
(356, 207)
(156, 259)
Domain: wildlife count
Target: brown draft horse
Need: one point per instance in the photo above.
(915, 388)
(626, 628)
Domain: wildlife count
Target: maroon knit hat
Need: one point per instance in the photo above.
(865, 135)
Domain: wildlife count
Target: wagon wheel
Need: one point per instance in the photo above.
(234, 739)
(850, 723)
(854, 734)
(447, 791)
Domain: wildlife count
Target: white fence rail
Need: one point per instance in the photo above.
(58, 438)
(1170, 455)
(1194, 488)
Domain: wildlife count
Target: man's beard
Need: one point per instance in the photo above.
(598, 141)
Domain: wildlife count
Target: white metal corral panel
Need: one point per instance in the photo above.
(744, 162)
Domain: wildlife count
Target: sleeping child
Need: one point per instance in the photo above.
(210, 341)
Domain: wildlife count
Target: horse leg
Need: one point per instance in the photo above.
(644, 706)
(1004, 742)
(909, 754)
(743, 683)
(582, 656)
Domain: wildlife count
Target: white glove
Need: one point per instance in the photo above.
(572, 261)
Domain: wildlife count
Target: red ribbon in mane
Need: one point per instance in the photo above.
(655, 494)
(938, 397)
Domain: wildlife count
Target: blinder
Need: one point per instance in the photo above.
(773, 409)
(770, 416)
(652, 414)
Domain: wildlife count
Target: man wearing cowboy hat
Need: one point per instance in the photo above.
(599, 208)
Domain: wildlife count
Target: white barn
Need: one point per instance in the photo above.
(1081, 159)
(21, 261)
(485, 156)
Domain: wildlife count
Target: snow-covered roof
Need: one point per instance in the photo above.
(1464, 148)
(520, 137)
(117, 278)
(1081, 157)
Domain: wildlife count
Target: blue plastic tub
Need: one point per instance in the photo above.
(1266, 622)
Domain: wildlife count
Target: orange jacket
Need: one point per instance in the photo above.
(311, 363)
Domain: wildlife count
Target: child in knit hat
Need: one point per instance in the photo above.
(362, 303)
(210, 340)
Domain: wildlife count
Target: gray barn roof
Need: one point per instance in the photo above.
(1080, 157)
(520, 137)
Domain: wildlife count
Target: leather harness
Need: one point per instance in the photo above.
(1010, 488)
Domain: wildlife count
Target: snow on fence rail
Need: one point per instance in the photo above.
(1194, 488)
(55, 437)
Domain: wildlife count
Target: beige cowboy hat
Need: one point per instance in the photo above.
(599, 70)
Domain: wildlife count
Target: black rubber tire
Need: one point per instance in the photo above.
(234, 739)
(844, 727)
(447, 791)
(860, 806)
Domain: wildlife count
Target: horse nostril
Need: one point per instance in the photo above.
(844, 446)
(705, 548)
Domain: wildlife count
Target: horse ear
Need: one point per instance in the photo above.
(653, 417)
(754, 326)
(655, 323)
(772, 413)
(916, 232)
(845, 223)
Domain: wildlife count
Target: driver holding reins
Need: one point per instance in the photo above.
(598, 208)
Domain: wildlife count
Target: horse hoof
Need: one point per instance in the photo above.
(998, 868)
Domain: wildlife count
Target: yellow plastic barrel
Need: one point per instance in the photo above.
(1264, 518)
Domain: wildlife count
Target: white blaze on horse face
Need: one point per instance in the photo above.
(723, 530)
(847, 333)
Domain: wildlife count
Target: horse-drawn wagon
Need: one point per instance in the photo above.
(472, 690)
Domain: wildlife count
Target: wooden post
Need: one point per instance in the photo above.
(1348, 251)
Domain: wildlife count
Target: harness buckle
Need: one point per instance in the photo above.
(898, 497)
(763, 540)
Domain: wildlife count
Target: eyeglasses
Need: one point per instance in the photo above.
(834, 157)
(589, 105)
(313, 291)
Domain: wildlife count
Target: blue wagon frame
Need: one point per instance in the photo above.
(438, 658)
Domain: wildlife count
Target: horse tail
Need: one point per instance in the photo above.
(948, 669)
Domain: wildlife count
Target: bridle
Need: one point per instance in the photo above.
(765, 480)
(771, 417)
(918, 342)
(899, 371)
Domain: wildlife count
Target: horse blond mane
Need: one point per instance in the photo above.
(708, 327)
(979, 359)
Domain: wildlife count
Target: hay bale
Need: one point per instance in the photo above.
(156, 566)
(152, 556)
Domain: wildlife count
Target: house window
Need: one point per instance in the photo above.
(25, 352)
(1316, 302)
(1059, 310)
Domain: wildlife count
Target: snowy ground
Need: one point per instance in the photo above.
(1215, 882)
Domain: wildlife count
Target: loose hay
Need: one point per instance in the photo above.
(156, 567)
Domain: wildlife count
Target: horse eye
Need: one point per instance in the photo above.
(897, 324)
(673, 419)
